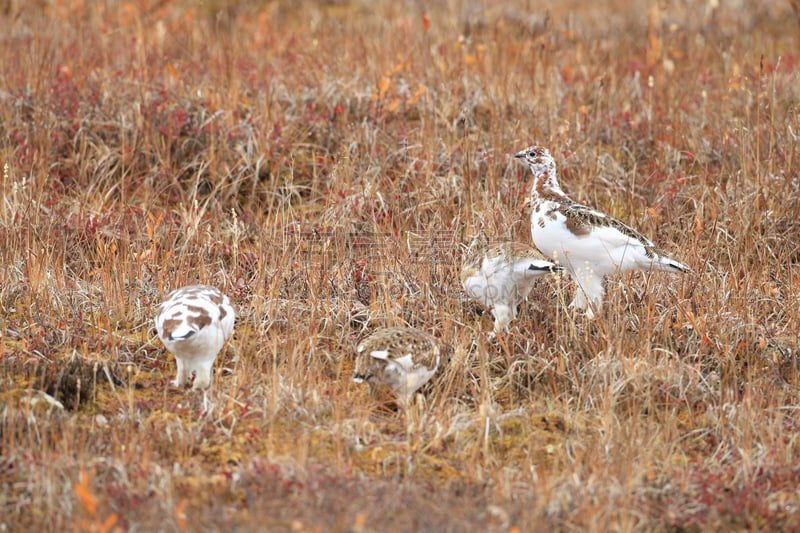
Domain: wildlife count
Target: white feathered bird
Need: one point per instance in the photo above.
(193, 323)
(501, 276)
(587, 243)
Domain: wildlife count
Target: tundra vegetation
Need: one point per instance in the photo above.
(325, 163)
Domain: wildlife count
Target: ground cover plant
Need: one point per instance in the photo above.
(326, 164)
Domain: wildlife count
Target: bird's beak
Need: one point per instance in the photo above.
(520, 155)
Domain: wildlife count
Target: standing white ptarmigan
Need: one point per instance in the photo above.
(500, 277)
(400, 359)
(193, 323)
(588, 243)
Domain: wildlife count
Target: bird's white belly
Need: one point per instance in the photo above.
(502, 286)
(590, 252)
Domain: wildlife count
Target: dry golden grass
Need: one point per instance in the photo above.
(324, 163)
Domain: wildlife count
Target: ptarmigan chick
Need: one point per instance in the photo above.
(588, 243)
(400, 359)
(193, 323)
(500, 277)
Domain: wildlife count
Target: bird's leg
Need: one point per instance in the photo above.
(180, 379)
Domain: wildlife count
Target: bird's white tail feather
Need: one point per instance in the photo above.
(670, 265)
(182, 332)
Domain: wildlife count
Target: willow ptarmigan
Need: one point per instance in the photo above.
(501, 276)
(400, 359)
(587, 243)
(193, 323)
